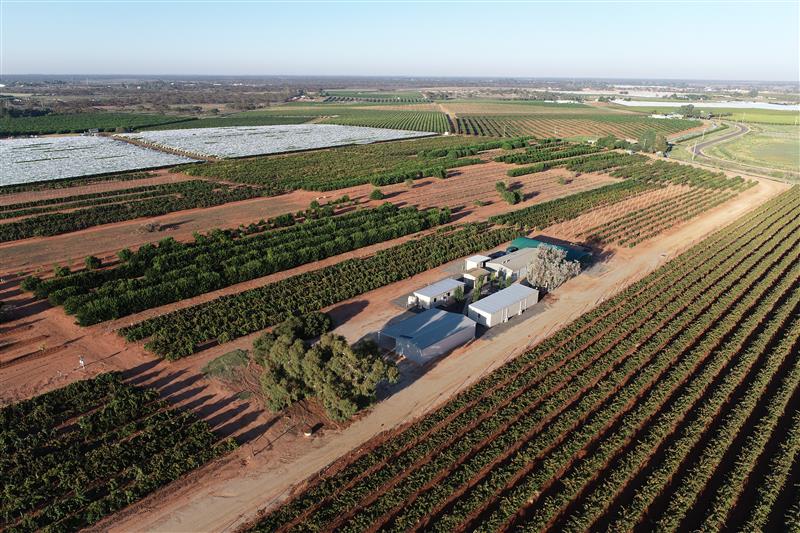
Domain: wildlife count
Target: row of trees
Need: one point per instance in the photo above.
(554, 211)
(77, 454)
(548, 153)
(678, 174)
(495, 453)
(66, 183)
(341, 167)
(179, 333)
(173, 271)
(603, 161)
(177, 197)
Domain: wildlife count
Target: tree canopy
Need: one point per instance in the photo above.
(549, 268)
(342, 377)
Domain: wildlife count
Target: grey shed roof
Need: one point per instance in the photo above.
(440, 287)
(428, 327)
(501, 299)
(515, 260)
(478, 258)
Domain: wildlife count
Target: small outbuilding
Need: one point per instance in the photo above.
(440, 293)
(476, 261)
(513, 265)
(503, 305)
(428, 334)
(471, 276)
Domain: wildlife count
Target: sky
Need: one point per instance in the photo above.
(707, 40)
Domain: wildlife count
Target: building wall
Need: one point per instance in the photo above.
(441, 299)
(409, 350)
(502, 315)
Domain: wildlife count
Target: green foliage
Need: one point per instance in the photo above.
(80, 122)
(239, 119)
(92, 263)
(567, 124)
(72, 456)
(342, 377)
(433, 121)
(171, 271)
(337, 168)
(225, 366)
(554, 211)
(604, 161)
(61, 271)
(66, 183)
(663, 172)
(376, 194)
(510, 196)
(653, 368)
(458, 294)
(116, 206)
(179, 333)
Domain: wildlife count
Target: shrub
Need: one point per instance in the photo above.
(376, 194)
(92, 263)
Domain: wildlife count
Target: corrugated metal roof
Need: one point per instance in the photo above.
(478, 258)
(428, 327)
(501, 299)
(475, 272)
(440, 287)
(515, 260)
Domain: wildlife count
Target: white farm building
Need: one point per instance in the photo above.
(428, 334)
(475, 261)
(440, 293)
(514, 265)
(503, 305)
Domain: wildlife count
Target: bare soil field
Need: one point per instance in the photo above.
(473, 183)
(519, 108)
(106, 240)
(40, 347)
(159, 177)
(219, 500)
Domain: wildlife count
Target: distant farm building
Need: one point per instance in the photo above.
(440, 293)
(513, 265)
(663, 116)
(574, 253)
(503, 305)
(428, 334)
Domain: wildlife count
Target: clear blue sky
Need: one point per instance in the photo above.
(700, 40)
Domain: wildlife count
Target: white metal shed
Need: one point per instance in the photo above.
(427, 335)
(439, 293)
(503, 305)
(513, 265)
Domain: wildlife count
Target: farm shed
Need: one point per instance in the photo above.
(476, 261)
(440, 293)
(513, 265)
(503, 305)
(574, 253)
(471, 276)
(428, 334)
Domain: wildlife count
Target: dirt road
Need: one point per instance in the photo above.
(222, 504)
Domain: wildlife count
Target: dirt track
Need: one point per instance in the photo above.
(220, 502)
(474, 183)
